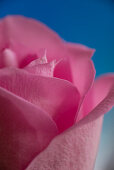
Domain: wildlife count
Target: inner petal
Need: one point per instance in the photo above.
(9, 58)
(27, 60)
(34, 59)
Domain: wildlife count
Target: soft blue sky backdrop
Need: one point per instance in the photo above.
(90, 22)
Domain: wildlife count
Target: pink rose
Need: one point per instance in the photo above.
(51, 108)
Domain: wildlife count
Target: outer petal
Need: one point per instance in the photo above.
(26, 36)
(57, 97)
(100, 91)
(77, 67)
(74, 149)
(79, 50)
(79, 70)
(25, 130)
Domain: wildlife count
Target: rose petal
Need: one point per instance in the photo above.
(62, 70)
(36, 37)
(9, 58)
(34, 60)
(101, 90)
(83, 74)
(41, 60)
(42, 69)
(25, 130)
(77, 67)
(74, 149)
(79, 50)
(27, 36)
(79, 70)
(27, 60)
(57, 97)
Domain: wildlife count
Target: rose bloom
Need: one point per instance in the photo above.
(51, 108)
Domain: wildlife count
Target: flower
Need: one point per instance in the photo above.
(51, 108)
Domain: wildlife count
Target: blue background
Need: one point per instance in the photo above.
(90, 22)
